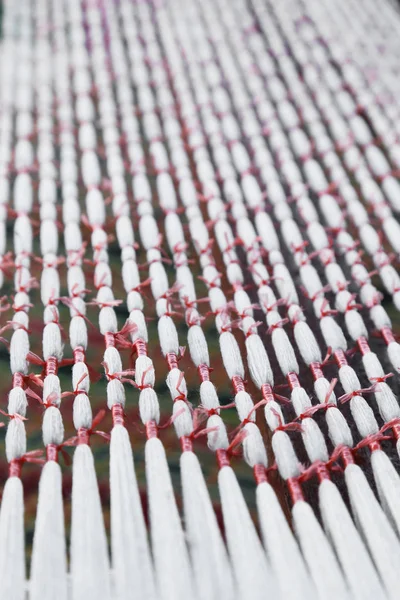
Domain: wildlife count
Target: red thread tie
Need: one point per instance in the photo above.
(117, 412)
(222, 458)
(295, 490)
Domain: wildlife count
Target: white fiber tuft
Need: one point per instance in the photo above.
(52, 344)
(231, 355)
(149, 407)
(90, 568)
(173, 572)
(78, 332)
(254, 451)
(282, 549)
(284, 352)
(82, 412)
(308, 345)
(212, 570)
(19, 348)
(318, 554)
(198, 346)
(376, 529)
(258, 361)
(131, 561)
(352, 554)
(49, 569)
(182, 419)
(168, 335)
(388, 485)
(53, 428)
(12, 541)
(217, 437)
(15, 439)
(249, 562)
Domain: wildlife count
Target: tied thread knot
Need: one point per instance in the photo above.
(85, 433)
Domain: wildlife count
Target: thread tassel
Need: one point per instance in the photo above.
(171, 558)
(373, 523)
(132, 566)
(252, 572)
(388, 485)
(212, 570)
(318, 553)
(12, 552)
(353, 556)
(282, 549)
(49, 575)
(90, 566)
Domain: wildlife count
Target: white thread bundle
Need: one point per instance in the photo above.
(384, 544)
(12, 543)
(282, 548)
(128, 530)
(354, 558)
(191, 476)
(130, 554)
(90, 569)
(329, 581)
(173, 572)
(248, 559)
(49, 577)
(288, 368)
(204, 538)
(226, 342)
(361, 416)
(12, 551)
(387, 482)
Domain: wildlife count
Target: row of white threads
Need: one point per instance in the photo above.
(303, 150)
(380, 44)
(209, 558)
(240, 293)
(336, 106)
(355, 79)
(376, 47)
(90, 568)
(342, 365)
(129, 537)
(323, 147)
(275, 424)
(380, 461)
(376, 95)
(300, 252)
(292, 231)
(197, 344)
(165, 525)
(23, 124)
(12, 543)
(48, 578)
(386, 400)
(369, 296)
(368, 293)
(183, 421)
(368, 234)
